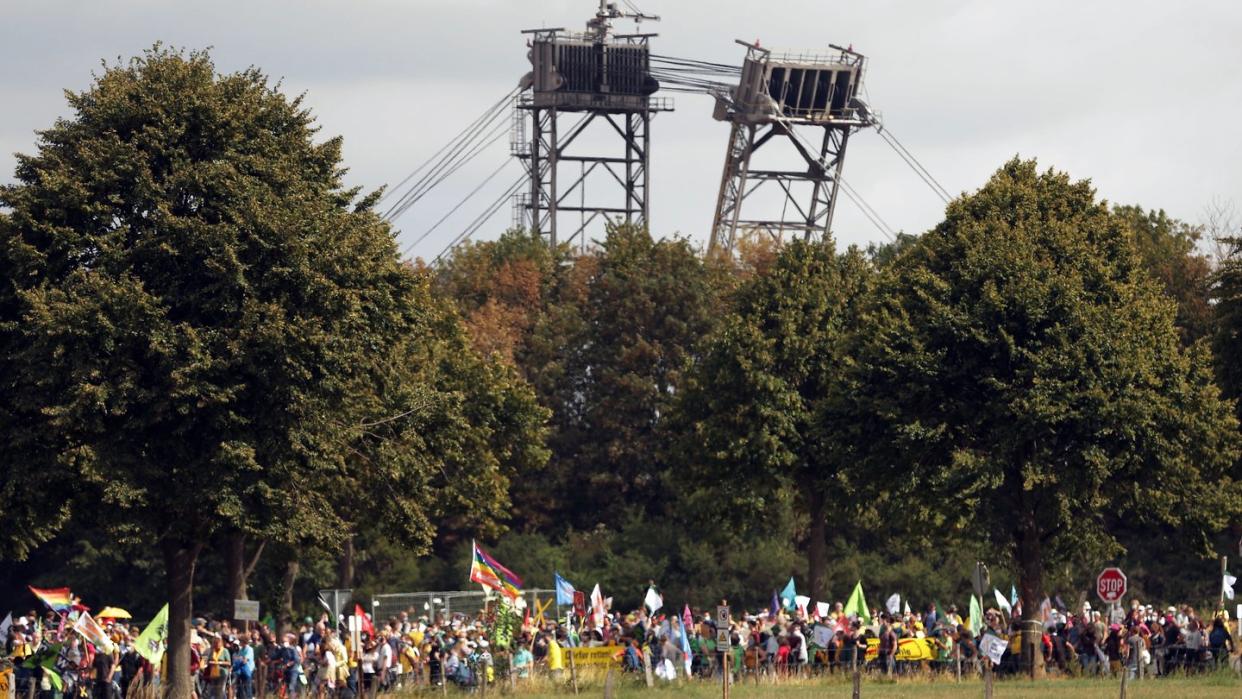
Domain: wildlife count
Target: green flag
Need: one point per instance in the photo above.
(976, 616)
(857, 604)
(151, 641)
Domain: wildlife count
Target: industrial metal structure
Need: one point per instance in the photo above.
(600, 78)
(776, 100)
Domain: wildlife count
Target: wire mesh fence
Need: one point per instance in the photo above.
(446, 603)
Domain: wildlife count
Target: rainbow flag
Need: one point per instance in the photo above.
(58, 599)
(487, 572)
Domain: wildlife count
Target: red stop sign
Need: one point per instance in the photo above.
(1111, 584)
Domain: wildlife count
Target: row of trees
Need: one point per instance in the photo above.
(214, 359)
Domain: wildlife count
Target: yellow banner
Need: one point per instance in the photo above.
(912, 649)
(600, 657)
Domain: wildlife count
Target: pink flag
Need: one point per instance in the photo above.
(687, 619)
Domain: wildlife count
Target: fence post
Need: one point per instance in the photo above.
(987, 678)
(647, 666)
(573, 669)
(857, 683)
(1125, 675)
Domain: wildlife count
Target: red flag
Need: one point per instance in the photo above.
(364, 621)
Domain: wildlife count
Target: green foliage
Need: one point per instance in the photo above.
(1026, 376)
(1168, 249)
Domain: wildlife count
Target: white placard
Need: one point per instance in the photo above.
(245, 610)
(993, 647)
(822, 635)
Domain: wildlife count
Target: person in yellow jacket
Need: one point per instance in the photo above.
(556, 661)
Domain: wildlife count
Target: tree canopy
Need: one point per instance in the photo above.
(1025, 382)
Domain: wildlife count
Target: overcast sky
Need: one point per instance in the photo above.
(1142, 97)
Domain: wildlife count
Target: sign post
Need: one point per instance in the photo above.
(723, 643)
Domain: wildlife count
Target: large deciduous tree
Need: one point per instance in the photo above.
(203, 332)
(754, 428)
(1025, 383)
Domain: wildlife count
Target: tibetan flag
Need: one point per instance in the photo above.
(485, 571)
(58, 599)
(564, 591)
(857, 605)
(93, 632)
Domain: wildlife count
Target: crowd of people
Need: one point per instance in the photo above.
(318, 658)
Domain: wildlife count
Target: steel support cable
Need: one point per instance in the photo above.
(453, 210)
(506, 98)
(451, 160)
(724, 67)
(463, 142)
(495, 135)
(481, 219)
(914, 163)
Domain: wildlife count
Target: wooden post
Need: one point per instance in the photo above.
(1125, 675)
(726, 671)
(512, 669)
(957, 659)
(647, 667)
(610, 685)
(987, 678)
(857, 683)
(573, 669)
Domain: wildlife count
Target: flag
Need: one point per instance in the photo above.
(564, 591)
(8, 623)
(598, 611)
(976, 616)
(775, 607)
(907, 606)
(364, 622)
(58, 599)
(893, 605)
(1013, 595)
(487, 572)
(653, 601)
(857, 604)
(788, 594)
(1045, 610)
(150, 643)
(93, 632)
(685, 643)
(687, 619)
(1227, 585)
(822, 609)
(1001, 601)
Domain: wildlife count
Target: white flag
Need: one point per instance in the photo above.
(1001, 601)
(598, 612)
(1227, 585)
(893, 604)
(823, 610)
(654, 601)
(907, 606)
(8, 624)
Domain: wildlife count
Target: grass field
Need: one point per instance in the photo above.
(1209, 687)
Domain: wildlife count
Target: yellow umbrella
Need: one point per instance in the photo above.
(113, 613)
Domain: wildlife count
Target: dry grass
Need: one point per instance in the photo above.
(629, 687)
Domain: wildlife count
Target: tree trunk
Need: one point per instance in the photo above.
(235, 566)
(817, 545)
(345, 566)
(286, 595)
(179, 577)
(1031, 584)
